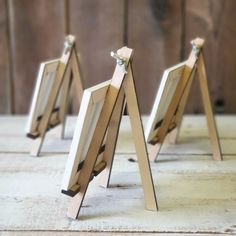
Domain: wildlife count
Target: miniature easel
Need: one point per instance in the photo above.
(172, 120)
(68, 72)
(120, 91)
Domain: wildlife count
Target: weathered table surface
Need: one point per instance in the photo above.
(195, 194)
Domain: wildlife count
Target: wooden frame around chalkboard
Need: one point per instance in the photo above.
(91, 106)
(167, 88)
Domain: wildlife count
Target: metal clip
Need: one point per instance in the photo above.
(67, 45)
(120, 61)
(196, 49)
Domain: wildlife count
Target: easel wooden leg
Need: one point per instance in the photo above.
(72, 75)
(76, 70)
(154, 151)
(48, 111)
(96, 142)
(140, 144)
(64, 96)
(84, 178)
(174, 134)
(112, 135)
(214, 137)
(61, 129)
(36, 147)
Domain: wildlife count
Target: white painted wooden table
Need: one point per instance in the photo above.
(195, 194)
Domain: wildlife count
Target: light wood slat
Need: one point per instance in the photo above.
(69, 233)
(170, 164)
(193, 137)
(193, 126)
(31, 200)
(30, 197)
(125, 144)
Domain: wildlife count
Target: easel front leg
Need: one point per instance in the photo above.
(64, 96)
(36, 147)
(174, 134)
(84, 178)
(77, 87)
(77, 78)
(49, 108)
(140, 144)
(112, 135)
(154, 151)
(214, 137)
(61, 129)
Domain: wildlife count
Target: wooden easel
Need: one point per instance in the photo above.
(68, 72)
(120, 91)
(172, 120)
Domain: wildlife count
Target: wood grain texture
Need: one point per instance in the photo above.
(158, 30)
(69, 233)
(37, 35)
(98, 26)
(213, 132)
(5, 92)
(193, 138)
(154, 32)
(214, 20)
(189, 185)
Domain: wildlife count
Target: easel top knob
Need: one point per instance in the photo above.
(121, 61)
(69, 41)
(197, 45)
